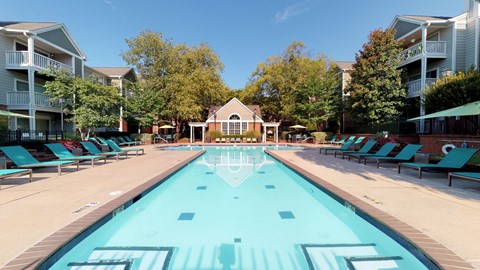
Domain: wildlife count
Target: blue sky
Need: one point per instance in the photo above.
(242, 32)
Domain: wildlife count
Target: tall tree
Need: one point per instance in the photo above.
(294, 87)
(186, 79)
(376, 91)
(88, 104)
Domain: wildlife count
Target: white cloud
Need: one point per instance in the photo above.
(291, 11)
(110, 3)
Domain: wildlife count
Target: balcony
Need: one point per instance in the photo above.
(20, 100)
(19, 59)
(434, 49)
(414, 87)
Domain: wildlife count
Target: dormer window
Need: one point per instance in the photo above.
(234, 117)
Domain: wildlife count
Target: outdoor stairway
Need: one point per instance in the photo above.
(121, 258)
(353, 256)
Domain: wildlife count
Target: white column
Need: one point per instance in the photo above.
(264, 133)
(203, 134)
(120, 126)
(191, 134)
(423, 74)
(276, 134)
(31, 82)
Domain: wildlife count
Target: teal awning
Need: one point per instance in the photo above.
(464, 110)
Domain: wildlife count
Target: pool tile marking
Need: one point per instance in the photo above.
(186, 216)
(286, 215)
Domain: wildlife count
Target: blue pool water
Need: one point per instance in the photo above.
(237, 208)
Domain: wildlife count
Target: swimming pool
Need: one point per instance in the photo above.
(237, 208)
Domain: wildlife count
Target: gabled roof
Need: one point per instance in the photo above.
(114, 71)
(426, 18)
(28, 26)
(39, 28)
(251, 108)
(345, 65)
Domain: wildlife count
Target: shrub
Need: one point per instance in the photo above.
(70, 144)
(252, 134)
(213, 134)
(144, 137)
(283, 135)
(321, 136)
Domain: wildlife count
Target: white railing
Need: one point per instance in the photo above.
(414, 87)
(433, 48)
(20, 59)
(22, 98)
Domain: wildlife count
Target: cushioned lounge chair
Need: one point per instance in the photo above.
(454, 160)
(217, 140)
(344, 140)
(23, 159)
(382, 152)
(128, 139)
(332, 139)
(473, 176)
(122, 141)
(97, 141)
(345, 146)
(341, 140)
(407, 153)
(117, 148)
(6, 173)
(63, 154)
(92, 149)
(364, 150)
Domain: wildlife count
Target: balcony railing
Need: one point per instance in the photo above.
(15, 59)
(433, 49)
(414, 87)
(21, 99)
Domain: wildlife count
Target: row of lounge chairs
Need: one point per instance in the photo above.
(24, 162)
(235, 140)
(454, 161)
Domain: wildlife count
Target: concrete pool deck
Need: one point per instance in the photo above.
(31, 212)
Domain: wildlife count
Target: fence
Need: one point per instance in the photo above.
(20, 137)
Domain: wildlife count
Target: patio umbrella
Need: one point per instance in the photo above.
(298, 127)
(166, 127)
(464, 110)
(6, 113)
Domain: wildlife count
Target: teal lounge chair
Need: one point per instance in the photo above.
(128, 139)
(474, 176)
(23, 159)
(454, 160)
(122, 141)
(342, 140)
(382, 152)
(364, 150)
(332, 139)
(117, 148)
(95, 140)
(5, 173)
(349, 139)
(63, 154)
(92, 149)
(406, 154)
(344, 147)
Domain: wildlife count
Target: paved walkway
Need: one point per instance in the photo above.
(449, 215)
(29, 212)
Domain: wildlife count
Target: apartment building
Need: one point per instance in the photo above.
(435, 46)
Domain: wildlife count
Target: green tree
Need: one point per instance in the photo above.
(146, 105)
(294, 87)
(88, 104)
(376, 91)
(453, 90)
(186, 79)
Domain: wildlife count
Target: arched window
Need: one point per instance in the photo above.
(234, 117)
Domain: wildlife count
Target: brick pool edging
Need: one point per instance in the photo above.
(33, 257)
(436, 252)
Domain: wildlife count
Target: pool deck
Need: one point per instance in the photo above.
(32, 212)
